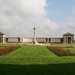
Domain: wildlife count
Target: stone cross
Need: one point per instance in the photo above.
(34, 33)
(34, 38)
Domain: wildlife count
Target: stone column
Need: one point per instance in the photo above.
(34, 38)
(34, 33)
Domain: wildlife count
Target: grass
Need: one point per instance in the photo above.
(29, 55)
(32, 60)
(6, 45)
(72, 50)
(65, 47)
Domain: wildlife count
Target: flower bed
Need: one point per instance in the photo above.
(59, 51)
(7, 50)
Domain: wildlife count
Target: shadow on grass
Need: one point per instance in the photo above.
(51, 69)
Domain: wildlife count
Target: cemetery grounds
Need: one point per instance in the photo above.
(35, 59)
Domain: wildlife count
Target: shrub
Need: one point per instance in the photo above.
(59, 51)
(7, 50)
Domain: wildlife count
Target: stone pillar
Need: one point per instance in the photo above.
(34, 38)
(34, 33)
(48, 40)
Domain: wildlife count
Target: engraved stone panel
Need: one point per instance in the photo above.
(27, 39)
(55, 40)
(12, 39)
(41, 39)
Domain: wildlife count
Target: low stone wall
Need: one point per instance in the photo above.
(27, 40)
(41, 40)
(30, 40)
(13, 40)
(56, 40)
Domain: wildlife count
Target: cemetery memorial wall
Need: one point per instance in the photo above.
(13, 40)
(27, 40)
(41, 40)
(55, 40)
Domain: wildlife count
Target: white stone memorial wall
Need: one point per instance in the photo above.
(41, 39)
(27, 39)
(12, 39)
(55, 40)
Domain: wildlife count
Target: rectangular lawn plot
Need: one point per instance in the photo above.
(32, 60)
(30, 55)
(33, 55)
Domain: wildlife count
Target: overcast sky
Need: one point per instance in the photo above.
(52, 18)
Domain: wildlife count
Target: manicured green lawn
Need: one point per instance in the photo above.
(36, 60)
(65, 47)
(72, 50)
(6, 45)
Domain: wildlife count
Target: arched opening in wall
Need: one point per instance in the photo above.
(69, 40)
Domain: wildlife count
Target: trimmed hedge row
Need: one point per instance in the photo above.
(7, 50)
(60, 52)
